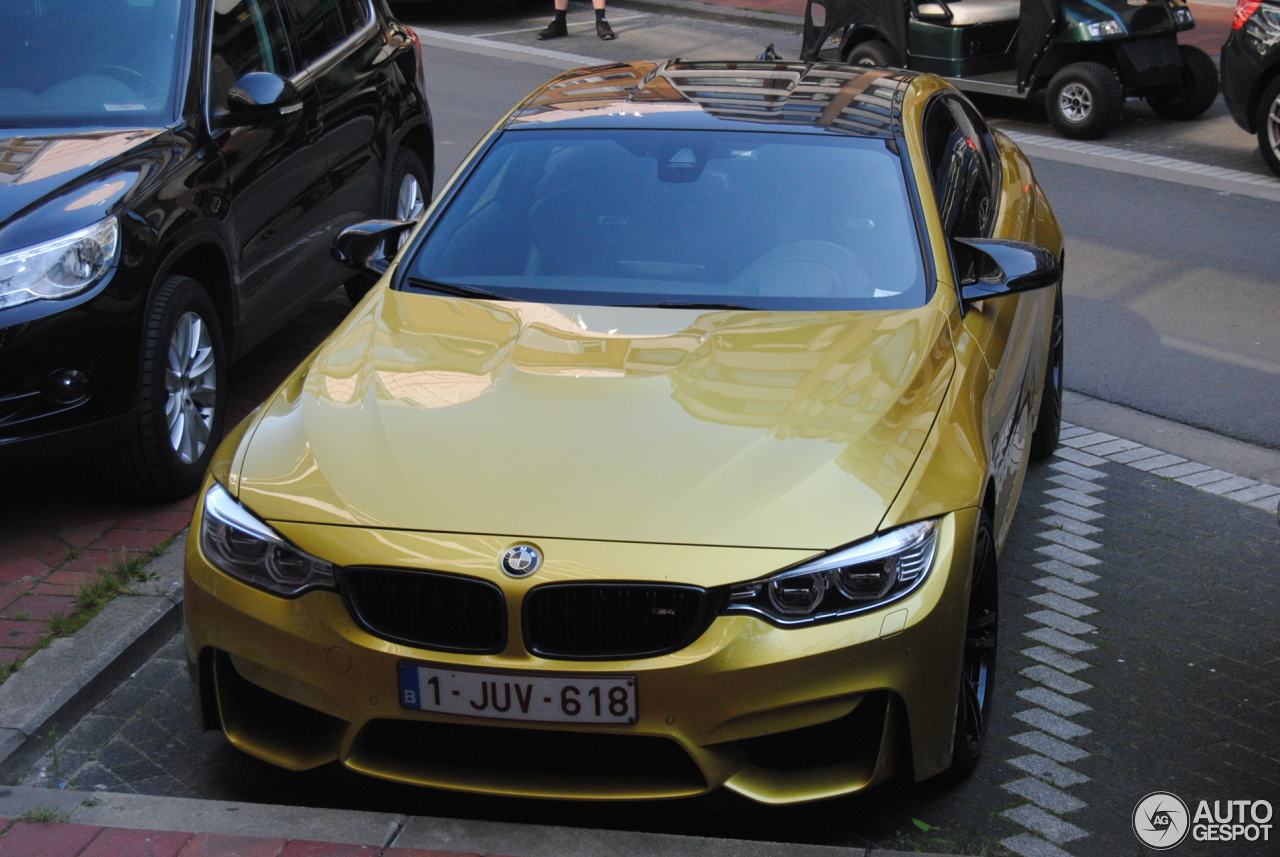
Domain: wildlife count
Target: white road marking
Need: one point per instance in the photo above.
(590, 23)
(543, 56)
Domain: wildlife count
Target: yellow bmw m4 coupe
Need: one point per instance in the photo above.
(673, 451)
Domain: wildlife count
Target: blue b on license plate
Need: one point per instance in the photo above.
(556, 698)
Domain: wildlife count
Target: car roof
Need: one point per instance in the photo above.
(804, 97)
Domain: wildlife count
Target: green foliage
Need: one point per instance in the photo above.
(45, 814)
(936, 840)
(21, 616)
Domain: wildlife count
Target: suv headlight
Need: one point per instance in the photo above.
(237, 542)
(59, 268)
(851, 580)
(1105, 28)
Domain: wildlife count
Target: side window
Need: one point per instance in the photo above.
(248, 35)
(355, 13)
(960, 169)
(319, 26)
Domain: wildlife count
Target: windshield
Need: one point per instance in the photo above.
(89, 62)
(657, 217)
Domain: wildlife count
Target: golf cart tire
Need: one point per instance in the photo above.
(1195, 91)
(1105, 94)
(1269, 147)
(874, 52)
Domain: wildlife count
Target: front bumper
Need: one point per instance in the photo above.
(777, 715)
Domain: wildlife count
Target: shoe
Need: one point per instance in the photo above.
(605, 32)
(554, 30)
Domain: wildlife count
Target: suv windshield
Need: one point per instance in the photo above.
(89, 62)
(657, 217)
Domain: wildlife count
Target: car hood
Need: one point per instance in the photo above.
(38, 165)
(742, 428)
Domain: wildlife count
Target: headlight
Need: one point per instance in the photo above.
(1183, 16)
(59, 268)
(244, 547)
(867, 575)
(1105, 28)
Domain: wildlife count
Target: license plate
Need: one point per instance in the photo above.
(556, 698)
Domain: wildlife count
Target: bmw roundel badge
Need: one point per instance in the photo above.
(521, 560)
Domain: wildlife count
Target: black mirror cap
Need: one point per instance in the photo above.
(363, 246)
(1008, 267)
(259, 98)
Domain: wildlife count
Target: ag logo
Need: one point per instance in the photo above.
(521, 560)
(1160, 820)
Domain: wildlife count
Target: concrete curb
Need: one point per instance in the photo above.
(714, 12)
(63, 681)
(383, 830)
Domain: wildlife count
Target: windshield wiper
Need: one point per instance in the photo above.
(691, 305)
(456, 291)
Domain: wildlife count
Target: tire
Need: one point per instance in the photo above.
(875, 53)
(182, 395)
(1044, 440)
(978, 668)
(397, 204)
(1084, 100)
(1268, 124)
(1194, 93)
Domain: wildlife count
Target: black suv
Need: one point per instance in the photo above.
(1251, 74)
(172, 173)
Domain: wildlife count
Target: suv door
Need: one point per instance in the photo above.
(347, 63)
(279, 189)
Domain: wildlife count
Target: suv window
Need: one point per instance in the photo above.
(962, 172)
(355, 13)
(320, 26)
(248, 35)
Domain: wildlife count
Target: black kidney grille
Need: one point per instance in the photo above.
(608, 621)
(428, 609)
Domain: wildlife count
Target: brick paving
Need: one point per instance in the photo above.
(62, 521)
(53, 839)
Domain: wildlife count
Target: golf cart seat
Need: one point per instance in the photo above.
(967, 12)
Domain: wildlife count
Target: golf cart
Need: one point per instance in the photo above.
(1084, 55)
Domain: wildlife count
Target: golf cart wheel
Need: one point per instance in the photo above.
(978, 664)
(1194, 92)
(1044, 440)
(1268, 122)
(1084, 100)
(405, 197)
(874, 52)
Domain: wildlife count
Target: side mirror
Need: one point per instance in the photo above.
(260, 98)
(999, 267)
(363, 246)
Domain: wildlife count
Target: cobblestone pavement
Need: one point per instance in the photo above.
(1140, 642)
(63, 521)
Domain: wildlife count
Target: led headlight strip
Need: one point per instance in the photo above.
(851, 580)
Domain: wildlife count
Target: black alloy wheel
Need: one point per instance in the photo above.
(182, 395)
(1044, 440)
(978, 665)
(404, 197)
(1084, 100)
(1195, 91)
(875, 53)
(1268, 124)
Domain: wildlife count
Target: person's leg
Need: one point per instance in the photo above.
(603, 30)
(558, 27)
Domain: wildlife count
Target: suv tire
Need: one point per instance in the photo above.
(182, 395)
(1195, 91)
(1084, 100)
(1268, 124)
(875, 53)
(405, 196)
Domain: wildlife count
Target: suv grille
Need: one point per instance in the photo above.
(610, 621)
(428, 609)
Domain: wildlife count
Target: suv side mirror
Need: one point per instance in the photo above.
(1001, 267)
(260, 98)
(363, 246)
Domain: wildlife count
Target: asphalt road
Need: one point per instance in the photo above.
(1173, 291)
